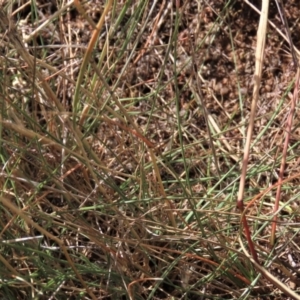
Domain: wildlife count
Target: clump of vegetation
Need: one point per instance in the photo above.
(124, 145)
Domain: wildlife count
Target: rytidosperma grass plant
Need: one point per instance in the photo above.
(122, 129)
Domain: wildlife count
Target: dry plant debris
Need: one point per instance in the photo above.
(108, 192)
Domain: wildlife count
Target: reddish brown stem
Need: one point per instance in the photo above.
(240, 205)
(283, 161)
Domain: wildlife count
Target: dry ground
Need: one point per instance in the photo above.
(136, 176)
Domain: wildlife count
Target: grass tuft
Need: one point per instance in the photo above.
(122, 131)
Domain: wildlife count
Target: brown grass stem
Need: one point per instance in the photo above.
(260, 47)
